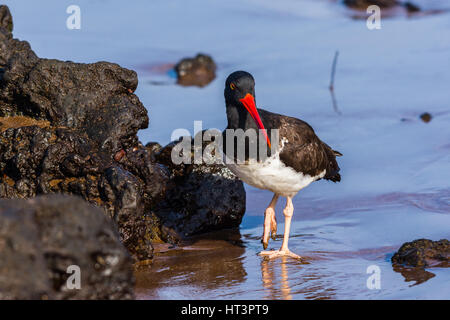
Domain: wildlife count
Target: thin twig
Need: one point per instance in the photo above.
(333, 70)
(331, 87)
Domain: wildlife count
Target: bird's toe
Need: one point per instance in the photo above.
(273, 235)
(267, 252)
(271, 254)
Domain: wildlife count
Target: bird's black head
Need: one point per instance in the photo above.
(240, 100)
(237, 86)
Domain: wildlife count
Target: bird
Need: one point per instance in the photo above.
(289, 156)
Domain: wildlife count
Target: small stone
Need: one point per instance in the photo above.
(363, 4)
(198, 71)
(411, 7)
(426, 117)
(119, 155)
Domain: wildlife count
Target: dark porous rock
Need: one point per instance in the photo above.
(71, 128)
(198, 71)
(95, 98)
(6, 20)
(153, 148)
(426, 117)
(41, 237)
(424, 253)
(363, 4)
(206, 197)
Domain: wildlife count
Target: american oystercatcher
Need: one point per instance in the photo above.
(295, 156)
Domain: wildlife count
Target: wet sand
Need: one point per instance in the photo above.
(338, 242)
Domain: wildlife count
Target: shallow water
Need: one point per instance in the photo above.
(395, 169)
(338, 241)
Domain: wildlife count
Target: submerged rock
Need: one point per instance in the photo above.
(383, 4)
(411, 7)
(42, 237)
(205, 197)
(424, 253)
(426, 117)
(198, 71)
(363, 4)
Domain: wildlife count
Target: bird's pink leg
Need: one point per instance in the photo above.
(284, 250)
(270, 222)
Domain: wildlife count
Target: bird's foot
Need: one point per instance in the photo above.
(273, 236)
(271, 254)
(270, 227)
(265, 244)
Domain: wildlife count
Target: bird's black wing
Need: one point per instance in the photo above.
(303, 150)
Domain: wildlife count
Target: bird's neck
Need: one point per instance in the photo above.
(239, 118)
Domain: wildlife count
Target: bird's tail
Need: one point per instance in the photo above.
(333, 167)
(337, 153)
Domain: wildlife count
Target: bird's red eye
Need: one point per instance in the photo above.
(232, 86)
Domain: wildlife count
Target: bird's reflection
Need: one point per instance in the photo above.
(269, 282)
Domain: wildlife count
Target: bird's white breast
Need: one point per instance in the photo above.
(272, 174)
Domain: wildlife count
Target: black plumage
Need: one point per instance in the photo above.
(303, 151)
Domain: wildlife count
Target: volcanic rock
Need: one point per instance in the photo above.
(424, 253)
(6, 20)
(41, 239)
(62, 125)
(71, 128)
(205, 197)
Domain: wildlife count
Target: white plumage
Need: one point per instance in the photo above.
(272, 174)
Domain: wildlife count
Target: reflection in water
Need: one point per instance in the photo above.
(209, 262)
(419, 275)
(269, 280)
(338, 249)
(287, 279)
(285, 289)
